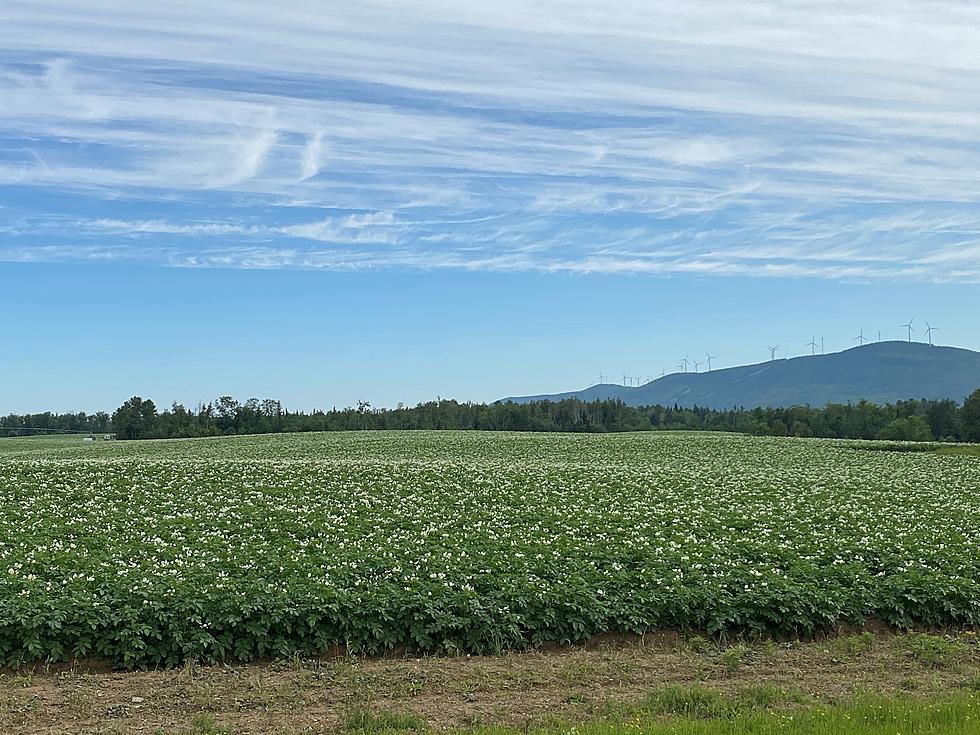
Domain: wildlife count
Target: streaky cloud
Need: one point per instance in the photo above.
(754, 138)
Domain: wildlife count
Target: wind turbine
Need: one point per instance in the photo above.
(860, 339)
(710, 358)
(696, 365)
(772, 351)
(684, 361)
(812, 344)
(909, 327)
(929, 330)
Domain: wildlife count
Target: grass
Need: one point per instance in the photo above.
(932, 650)
(867, 715)
(359, 720)
(677, 710)
(853, 644)
(665, 684)
(693, 702)
(734, 656)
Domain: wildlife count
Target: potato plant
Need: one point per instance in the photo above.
(154, 553)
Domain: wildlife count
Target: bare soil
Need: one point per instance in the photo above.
(446, 693)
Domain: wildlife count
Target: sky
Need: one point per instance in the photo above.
(393, 201)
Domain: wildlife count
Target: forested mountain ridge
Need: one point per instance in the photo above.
(930, 380)
(881, 372)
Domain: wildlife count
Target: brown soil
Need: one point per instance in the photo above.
(517, 689)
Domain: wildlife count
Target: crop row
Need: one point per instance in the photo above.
(153, 553)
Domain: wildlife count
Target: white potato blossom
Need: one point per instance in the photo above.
(153, 551)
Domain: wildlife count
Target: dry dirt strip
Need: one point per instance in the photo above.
(446, 693)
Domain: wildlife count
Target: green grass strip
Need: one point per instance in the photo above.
(696, 711)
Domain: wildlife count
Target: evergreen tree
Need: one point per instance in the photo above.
(970, 418)
(135, 419)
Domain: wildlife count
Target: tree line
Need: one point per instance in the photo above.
(139, 418)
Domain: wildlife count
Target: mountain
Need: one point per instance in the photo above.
(881, 372)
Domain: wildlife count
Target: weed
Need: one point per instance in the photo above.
(578, 671)
(364, 721)
(699, 644)
(674, 699)
(734, 656)
(853, 644)
(205, 724)
(972, 683)
(932, 650)
(765, 696)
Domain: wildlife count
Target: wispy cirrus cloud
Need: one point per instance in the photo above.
(312, 158)
(158, 227)
(372, 228)
(760, 137)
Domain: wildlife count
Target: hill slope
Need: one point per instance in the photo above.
(882, 372)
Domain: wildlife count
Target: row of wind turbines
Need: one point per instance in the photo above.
(683, 366)
(632, 381)
(861, 339)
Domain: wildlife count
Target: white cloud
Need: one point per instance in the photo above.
(251, 153)
(312, 156)
(373, 228)
(169, 228)
(755, 137)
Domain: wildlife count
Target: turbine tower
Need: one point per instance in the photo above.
(812, 344)
(929, 330)
(909, 327)
(684, 361)
(772, 351)
(696, 365)
(860, 339)
(710, 358)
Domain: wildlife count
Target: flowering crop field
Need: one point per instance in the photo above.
(153, 553)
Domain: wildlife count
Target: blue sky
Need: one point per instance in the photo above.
(393, 201)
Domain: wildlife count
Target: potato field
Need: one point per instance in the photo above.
(155, 553)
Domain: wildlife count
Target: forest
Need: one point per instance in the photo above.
(139, 418)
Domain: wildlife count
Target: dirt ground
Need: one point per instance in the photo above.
(516, 689)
